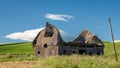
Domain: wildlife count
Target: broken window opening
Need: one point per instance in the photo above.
(38, 52)
(49, 32)
(45, 46)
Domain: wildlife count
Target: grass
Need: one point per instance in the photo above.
(17, 48)
(9, 57)
(73, 61)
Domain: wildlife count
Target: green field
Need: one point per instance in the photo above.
(17, 48)
(26, 59)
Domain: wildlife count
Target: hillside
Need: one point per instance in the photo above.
(16, 48)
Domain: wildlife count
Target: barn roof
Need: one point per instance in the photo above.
(46, 34)
(88, 38)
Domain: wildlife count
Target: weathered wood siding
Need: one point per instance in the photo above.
(41, 51)
(68, 50)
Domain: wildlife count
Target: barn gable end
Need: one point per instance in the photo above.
(46, 42)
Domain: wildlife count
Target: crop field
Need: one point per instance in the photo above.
(20, 55)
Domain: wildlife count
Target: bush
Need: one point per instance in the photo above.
(8, 56)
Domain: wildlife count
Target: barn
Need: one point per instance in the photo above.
(48, 42)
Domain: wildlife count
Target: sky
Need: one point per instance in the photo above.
(21, 20)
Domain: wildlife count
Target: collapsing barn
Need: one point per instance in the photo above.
(48, 42)
(87, 43)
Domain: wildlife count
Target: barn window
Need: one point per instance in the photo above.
(45, 46)
(48, 34)
(38, 52)
(49, 31)
(82, 51)
(73, 52)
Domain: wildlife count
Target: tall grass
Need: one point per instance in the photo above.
(78, 61)
(73, 61)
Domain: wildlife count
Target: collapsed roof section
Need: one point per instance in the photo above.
(50, 35)
(87, 37)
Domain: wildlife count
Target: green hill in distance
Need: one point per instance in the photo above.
(16, 48)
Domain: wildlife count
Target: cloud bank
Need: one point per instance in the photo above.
(29, 35)
(117, 41)
(61, 17)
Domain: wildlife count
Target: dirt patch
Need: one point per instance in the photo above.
(20, 64)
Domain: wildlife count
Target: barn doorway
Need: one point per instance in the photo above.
(82, 51)
(90, 53)
(74, 52)
(64, 51)
(98, 53)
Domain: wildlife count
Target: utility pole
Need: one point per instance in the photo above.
(109, 21)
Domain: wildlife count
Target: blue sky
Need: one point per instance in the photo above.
(18, 16)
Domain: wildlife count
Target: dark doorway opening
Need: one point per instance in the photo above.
(82, 51)
(90, 53)
(64, 51)
(98, 53)
(73, 52)
(45, 45)
(38, 52)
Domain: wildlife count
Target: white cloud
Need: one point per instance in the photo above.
(117, 41)
(61, 17)
(29, 35)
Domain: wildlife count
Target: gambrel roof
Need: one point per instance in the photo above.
(50, 36)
